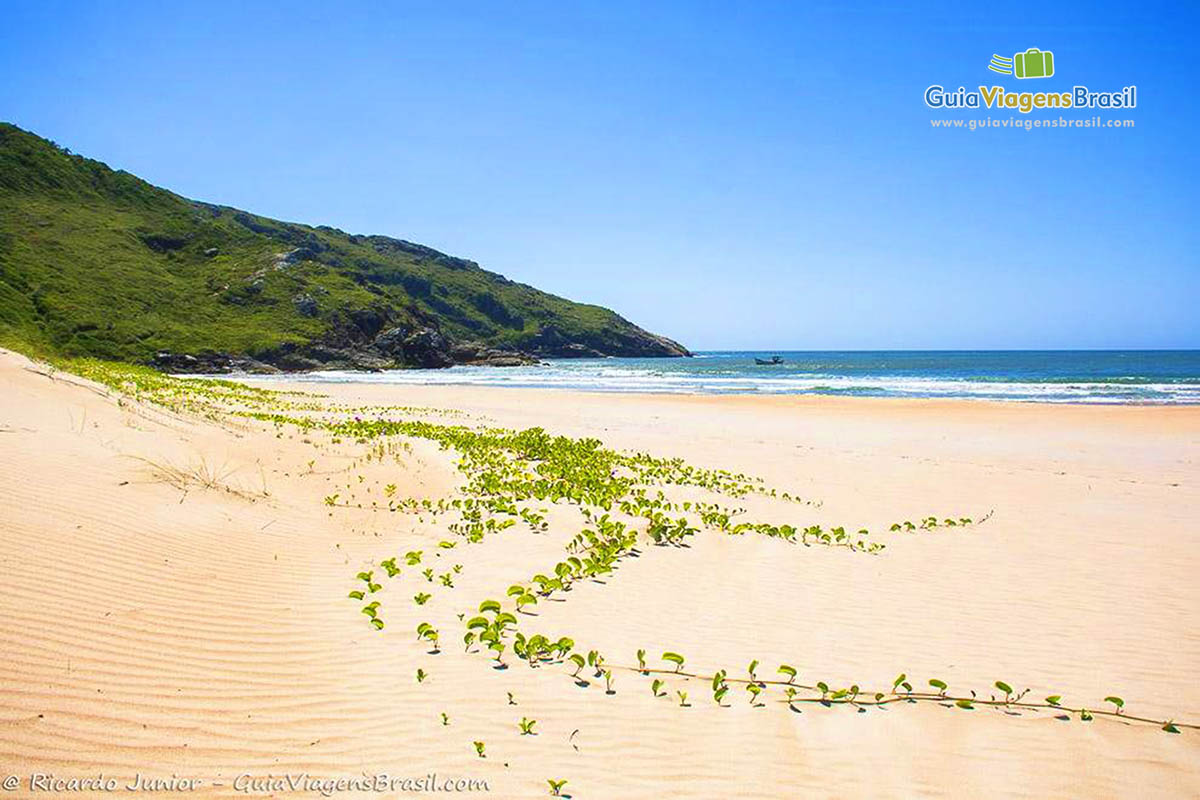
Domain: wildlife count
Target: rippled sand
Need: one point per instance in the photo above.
(156, 627)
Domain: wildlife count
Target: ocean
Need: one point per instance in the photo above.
(1078, 376)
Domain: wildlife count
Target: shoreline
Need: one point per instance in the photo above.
(292, 381)
(765, 399)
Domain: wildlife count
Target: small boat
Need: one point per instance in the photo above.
(772, 361)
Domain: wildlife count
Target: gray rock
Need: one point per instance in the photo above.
(391, 341)
(426, 347)
(306, 305)
(370, 363)
(507, 361)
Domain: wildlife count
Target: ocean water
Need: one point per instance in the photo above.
(1092, 376)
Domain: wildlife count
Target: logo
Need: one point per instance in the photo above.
(1033, 63)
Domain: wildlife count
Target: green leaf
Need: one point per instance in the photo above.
(937, 684)
(964, 704)
(1169, 727)
(378, 623)
(1053, 699)
(1116, 701)
(790, 671)
(674, 658)
(1004, 687)
(489, 605)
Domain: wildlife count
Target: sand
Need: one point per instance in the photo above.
(153, 624)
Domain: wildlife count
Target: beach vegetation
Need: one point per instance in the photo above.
(674, 658)
(579, 663)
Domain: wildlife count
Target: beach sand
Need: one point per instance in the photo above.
(151, 623)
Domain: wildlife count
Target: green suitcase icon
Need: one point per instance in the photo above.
(1034, 63)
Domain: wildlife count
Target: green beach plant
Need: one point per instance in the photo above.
(674, 658)
(579, 663)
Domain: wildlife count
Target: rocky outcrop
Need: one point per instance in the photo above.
(422, 347)
(630, 342)
(477, 354)
(366, 339)
(210, 363)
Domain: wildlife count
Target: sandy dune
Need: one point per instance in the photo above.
(150, 623)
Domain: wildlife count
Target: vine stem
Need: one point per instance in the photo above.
(868, 698)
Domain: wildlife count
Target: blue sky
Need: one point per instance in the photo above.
(733, 177)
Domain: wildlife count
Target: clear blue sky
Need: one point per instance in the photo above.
(733, 177)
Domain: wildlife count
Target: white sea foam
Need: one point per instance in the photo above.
(615, 375)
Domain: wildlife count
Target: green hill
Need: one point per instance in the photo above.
(96, 262)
